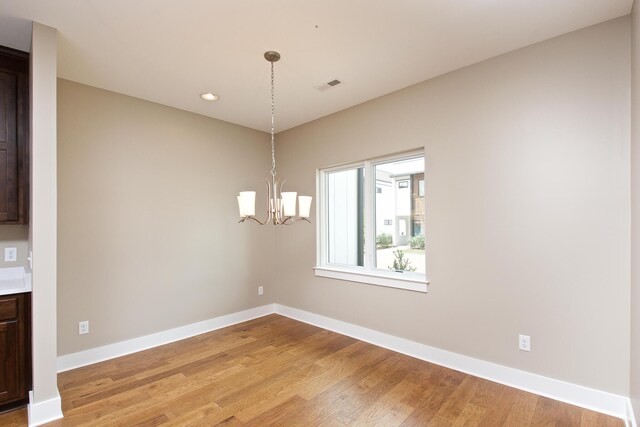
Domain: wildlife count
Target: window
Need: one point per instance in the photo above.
(345, 210)
(371, 222)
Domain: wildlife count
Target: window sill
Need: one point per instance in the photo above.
(391, 280)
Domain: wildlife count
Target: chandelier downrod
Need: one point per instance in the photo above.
(269, 56)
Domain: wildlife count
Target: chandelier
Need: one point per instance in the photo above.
(281, 205)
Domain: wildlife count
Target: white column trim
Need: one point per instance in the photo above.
(44, 412)
(630, 420)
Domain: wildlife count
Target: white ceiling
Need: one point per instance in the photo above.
(170, 51)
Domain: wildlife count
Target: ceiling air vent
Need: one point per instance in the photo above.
(328, 85)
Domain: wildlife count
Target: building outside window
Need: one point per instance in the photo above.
(406, 208)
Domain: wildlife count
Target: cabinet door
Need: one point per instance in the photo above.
(8, 147)
(9, 361)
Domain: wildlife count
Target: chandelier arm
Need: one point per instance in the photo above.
(254, 219)
(278, 193)
(273, 200)
(292, 220)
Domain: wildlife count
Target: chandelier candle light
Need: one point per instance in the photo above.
(281, 206)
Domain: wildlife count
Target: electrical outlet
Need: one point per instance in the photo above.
(10, 254)
(260, 290)
(83, 327)
(524, 342)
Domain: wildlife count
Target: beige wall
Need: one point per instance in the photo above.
(527, 172)
(148, 238)
(635, 212)
(14, 236)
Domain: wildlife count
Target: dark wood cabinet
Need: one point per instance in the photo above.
(14, 138)
(15, 365)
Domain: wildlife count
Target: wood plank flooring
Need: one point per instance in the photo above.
(274, 371)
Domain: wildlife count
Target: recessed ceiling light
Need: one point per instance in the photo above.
(209, 96)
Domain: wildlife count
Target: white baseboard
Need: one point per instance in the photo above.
(122, 348)
(44, 412)
(596, 400)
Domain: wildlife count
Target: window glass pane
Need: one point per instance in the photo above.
(345, 217)
(399, 210)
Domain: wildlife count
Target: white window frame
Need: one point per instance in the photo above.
(367, 274)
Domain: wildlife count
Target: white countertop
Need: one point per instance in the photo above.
(14, 280)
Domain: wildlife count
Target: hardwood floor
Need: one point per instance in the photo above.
(277, 371)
